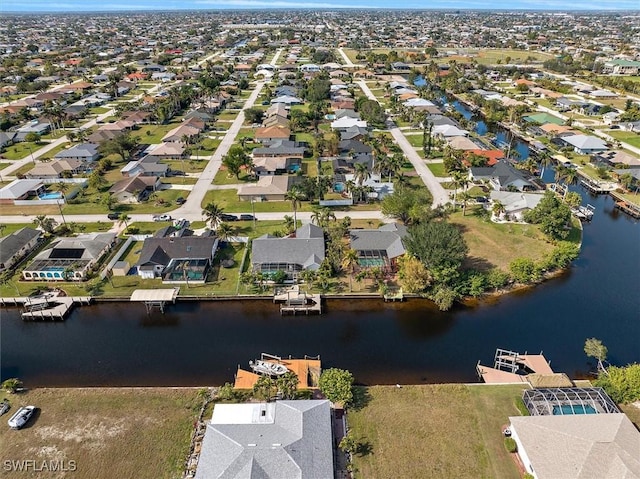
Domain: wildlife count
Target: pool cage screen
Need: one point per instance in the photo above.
(568, 401)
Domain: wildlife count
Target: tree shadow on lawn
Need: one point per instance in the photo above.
(361, 398)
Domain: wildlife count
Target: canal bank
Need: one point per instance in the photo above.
(196, 343)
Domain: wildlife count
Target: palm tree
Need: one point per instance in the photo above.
(361, 173)
(289, 225)
(295, 197)
(497, 209)
(45, 223)
(322, 216)
(350, 263)
(545, 160)
(124, 219)
(224, 231)
(62, 188)
(213, 214)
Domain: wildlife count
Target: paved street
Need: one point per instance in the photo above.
(440, 195)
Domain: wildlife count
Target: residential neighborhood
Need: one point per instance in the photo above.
(278, 243)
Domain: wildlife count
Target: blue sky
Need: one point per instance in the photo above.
(147, 5)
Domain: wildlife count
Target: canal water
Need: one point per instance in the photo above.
(202, 343)
(381, 343)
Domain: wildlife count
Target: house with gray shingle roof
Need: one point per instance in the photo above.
(15, 246)
(585, 144)
(69, 258)
(502, 176)
(82, 152)
(581, 446)
(302, 251)
(177, 257)
(379, 247)
(277, 440)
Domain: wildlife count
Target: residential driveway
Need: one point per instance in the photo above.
(440, 195)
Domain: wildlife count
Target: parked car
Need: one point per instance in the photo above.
(247, 218)
(162, 218)
(113, 216)
(180, 200)
(21, 417)
(227, 217)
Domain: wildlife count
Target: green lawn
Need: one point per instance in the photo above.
(227, 115)
(627, 137)
(186, 165)
(437, 169)
(229, 202)
(8, 228)
(496, 245)
(224, 178)
(434, 431)
(91, 204)
(21, 150)
(153, 134)
(108, 432)
(415, 140)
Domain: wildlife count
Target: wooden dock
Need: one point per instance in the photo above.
(49, 306)
(394, 295)
(512, 367)
(628, 208)
(311, 305)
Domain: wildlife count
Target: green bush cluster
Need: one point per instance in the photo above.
(510, 444)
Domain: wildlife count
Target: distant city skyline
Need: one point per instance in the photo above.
(71, 6)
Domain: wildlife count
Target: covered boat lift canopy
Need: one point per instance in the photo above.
(155, 297)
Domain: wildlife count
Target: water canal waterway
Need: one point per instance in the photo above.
(202, 343)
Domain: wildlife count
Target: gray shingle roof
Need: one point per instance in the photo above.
(11, 244)
(292, 440)
(585, 446)
(387, 238)
(163, 250)
(306, 249)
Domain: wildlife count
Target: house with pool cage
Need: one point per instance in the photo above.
(69, 259)
(379, 247)
(575, 433)
(177, 258)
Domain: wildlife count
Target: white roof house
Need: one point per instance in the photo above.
(19, 189)
(585, 144)
(278, 440)
(583, 446)
(346, 122)
(516, 203)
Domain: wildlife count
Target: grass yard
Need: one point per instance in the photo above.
(440, 431)
(415, 140)
(21, 150)
(153, 134)
(224, 178)
(91, 204)
(496, 245)
(8, 228)
(627, 137)
(437, 169)
(188, 166)
(227, 115)
(108, 432)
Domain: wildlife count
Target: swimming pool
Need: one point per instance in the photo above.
(569, 409)
(338, 187)
(54, 195)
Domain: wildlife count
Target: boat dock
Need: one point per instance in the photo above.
(513, 367)
(307, 370)
(47, 306)
(394, 295)
(584, 213)
(295, 301)
(153, 298)
(625, 206)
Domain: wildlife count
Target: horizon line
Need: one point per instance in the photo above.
(333, 8)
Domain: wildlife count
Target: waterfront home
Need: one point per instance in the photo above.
(303, 250)
(86, 152)
(580, 446)
(275, 440)
(57, 169)
(354, 133)
(177, 258)
(515, 204)
(134, 189)
(69, 258)
(379, 247)
(268, 188)
(16, 246)
(502, 176)
(20, 190)
(585, 144)
(616, 159)
(461, 143)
